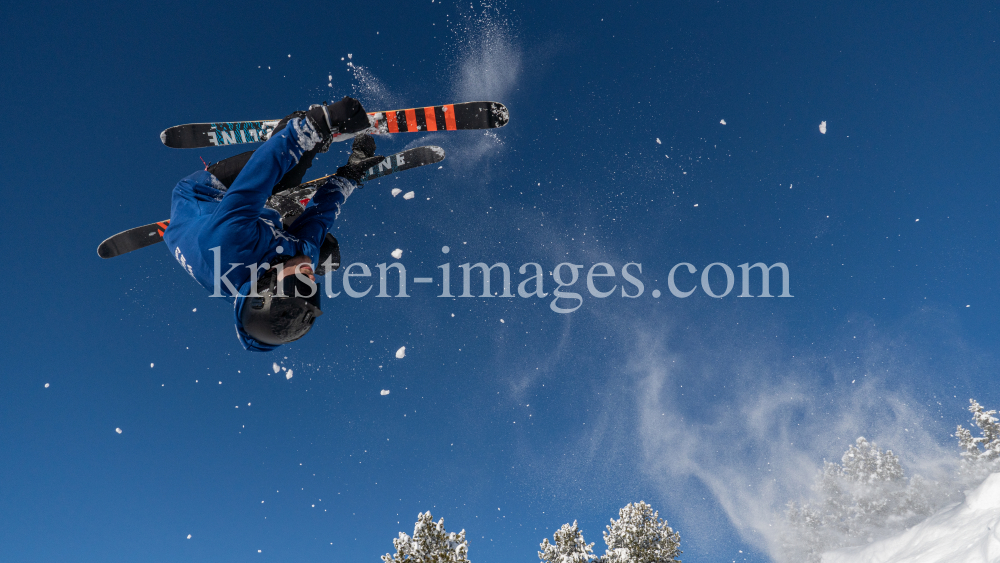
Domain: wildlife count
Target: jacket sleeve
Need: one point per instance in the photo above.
(245, 199)
(319, 216)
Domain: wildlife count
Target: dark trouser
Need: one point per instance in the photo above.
(227, 169)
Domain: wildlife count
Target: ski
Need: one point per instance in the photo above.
(449, 117)
(132, 239)
(289, 203)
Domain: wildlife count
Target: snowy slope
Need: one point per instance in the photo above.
(963, 533)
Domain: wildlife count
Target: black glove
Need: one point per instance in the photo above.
(361, 158)
(345, 116)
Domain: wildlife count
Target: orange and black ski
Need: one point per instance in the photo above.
(448, 117)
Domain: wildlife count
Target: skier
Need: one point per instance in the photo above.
(217, 216)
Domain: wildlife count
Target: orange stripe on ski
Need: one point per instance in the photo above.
(449, 117)
(411, 120)
(431, 121)
(163, 226)
(390, 121)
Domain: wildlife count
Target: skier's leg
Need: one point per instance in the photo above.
(294, 176)
(264, 168)
(227, 169)
(345, 115)
(284, 150)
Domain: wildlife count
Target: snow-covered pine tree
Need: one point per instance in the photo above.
(429, 544)
(876, 483)
(865, 497)
(569, 546)
(978, 464)
(640, 536)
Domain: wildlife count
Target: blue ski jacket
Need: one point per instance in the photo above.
(218, 235)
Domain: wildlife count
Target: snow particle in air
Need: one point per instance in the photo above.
(150, 365)
(397, 254)
(288, 374)
(501, 321)
(275, 367)
(118, 430)
(822, 127)
(46, 385)
(396, 192)
(189, 536)
(917, 221)
(445, 250)
(696, 205)
(349, 55)
(408, 195)
(658, 141)
(722, 121)
(384, 392)
(656, 293)
(401, 353)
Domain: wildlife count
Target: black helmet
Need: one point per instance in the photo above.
(281, 313)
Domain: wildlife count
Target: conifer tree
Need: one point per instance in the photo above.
(978, 463)
(569, 546)
(429, 544)
(640, 536)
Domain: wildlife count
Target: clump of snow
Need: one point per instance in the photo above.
(151, 365)
(408, 195)
(401, 353)
(195, 310)
(396, 192)
(46, 385)
(966, 532)
(384, 392)
(822, 127)
(288, 374)
(397, 254)
(722, 121)
(189, 536)
(118, 430)
(658, 141)
(275, 367)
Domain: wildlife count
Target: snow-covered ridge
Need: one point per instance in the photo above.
(965, 532)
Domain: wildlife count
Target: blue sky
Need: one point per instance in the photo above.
(614, 153)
